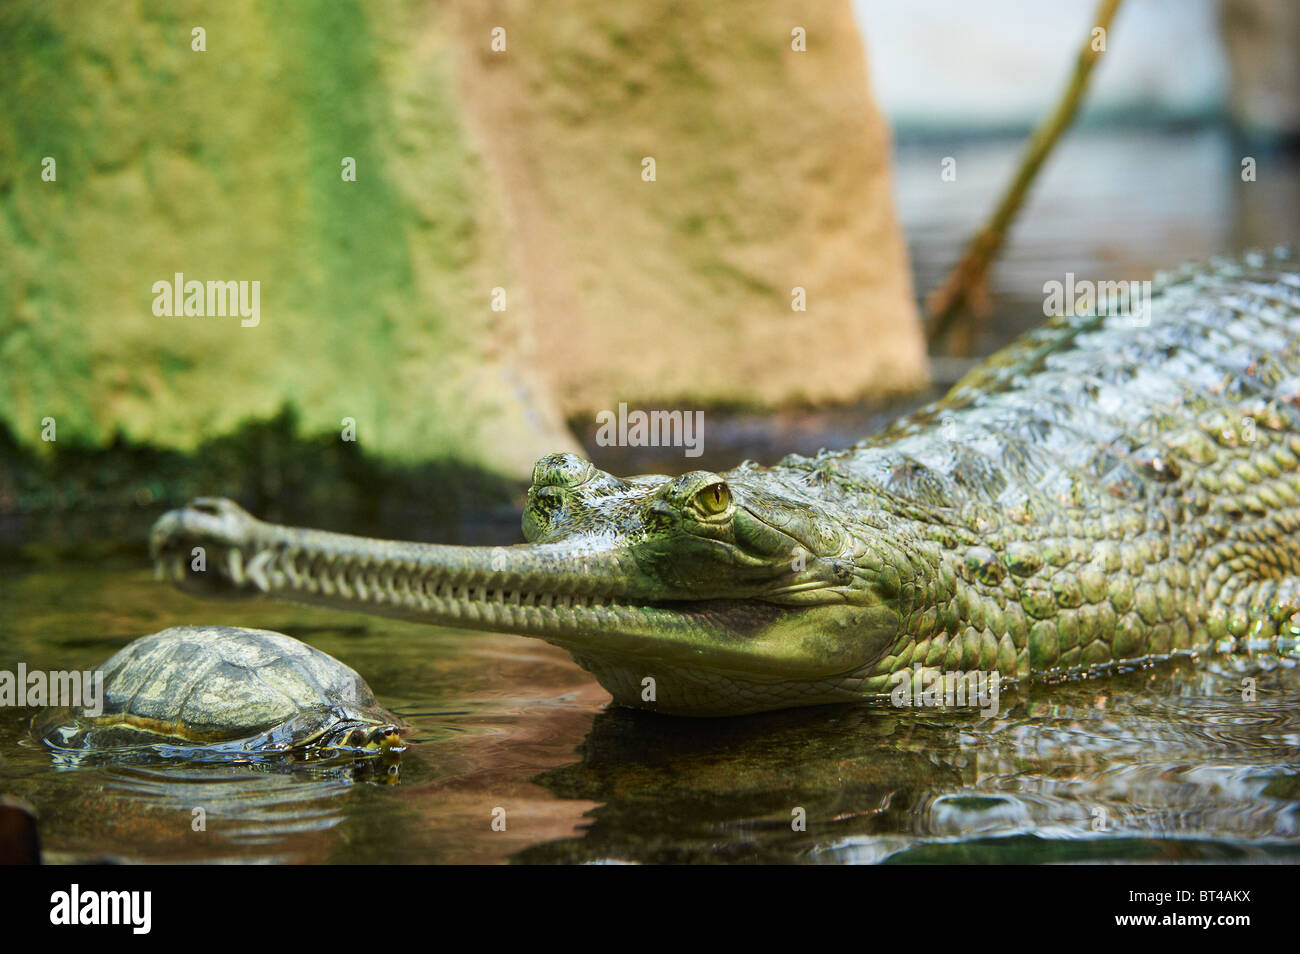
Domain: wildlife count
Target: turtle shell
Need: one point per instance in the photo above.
(224, 686)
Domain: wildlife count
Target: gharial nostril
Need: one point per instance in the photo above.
(202, 519)
(214, 506)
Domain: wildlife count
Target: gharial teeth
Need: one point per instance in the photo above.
(475, 597)
(257, 570)
(289, 569)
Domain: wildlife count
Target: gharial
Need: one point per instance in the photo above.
(1107, 492)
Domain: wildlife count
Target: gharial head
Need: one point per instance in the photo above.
(734, 578)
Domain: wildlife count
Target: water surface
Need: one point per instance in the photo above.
(1166, 764)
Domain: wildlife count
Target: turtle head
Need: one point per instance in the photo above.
(360, 735)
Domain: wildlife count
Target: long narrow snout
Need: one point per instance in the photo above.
(586, 595)
(215, 548)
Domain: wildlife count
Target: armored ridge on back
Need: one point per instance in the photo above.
(1100, 495)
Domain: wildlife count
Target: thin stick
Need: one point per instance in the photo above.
(967, 284)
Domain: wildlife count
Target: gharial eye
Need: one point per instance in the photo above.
(713, 500)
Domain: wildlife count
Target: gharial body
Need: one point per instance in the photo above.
(1101, 495)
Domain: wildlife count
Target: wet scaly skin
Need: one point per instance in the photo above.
(1101, 495)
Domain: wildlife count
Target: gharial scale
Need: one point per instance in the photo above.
(1100, 495)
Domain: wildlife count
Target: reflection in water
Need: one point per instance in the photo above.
(1168, 763)
(1171, 763)
(266, 810)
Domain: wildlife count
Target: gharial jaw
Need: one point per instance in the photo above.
(639, 580)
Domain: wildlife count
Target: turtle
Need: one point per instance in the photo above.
(196, 690)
